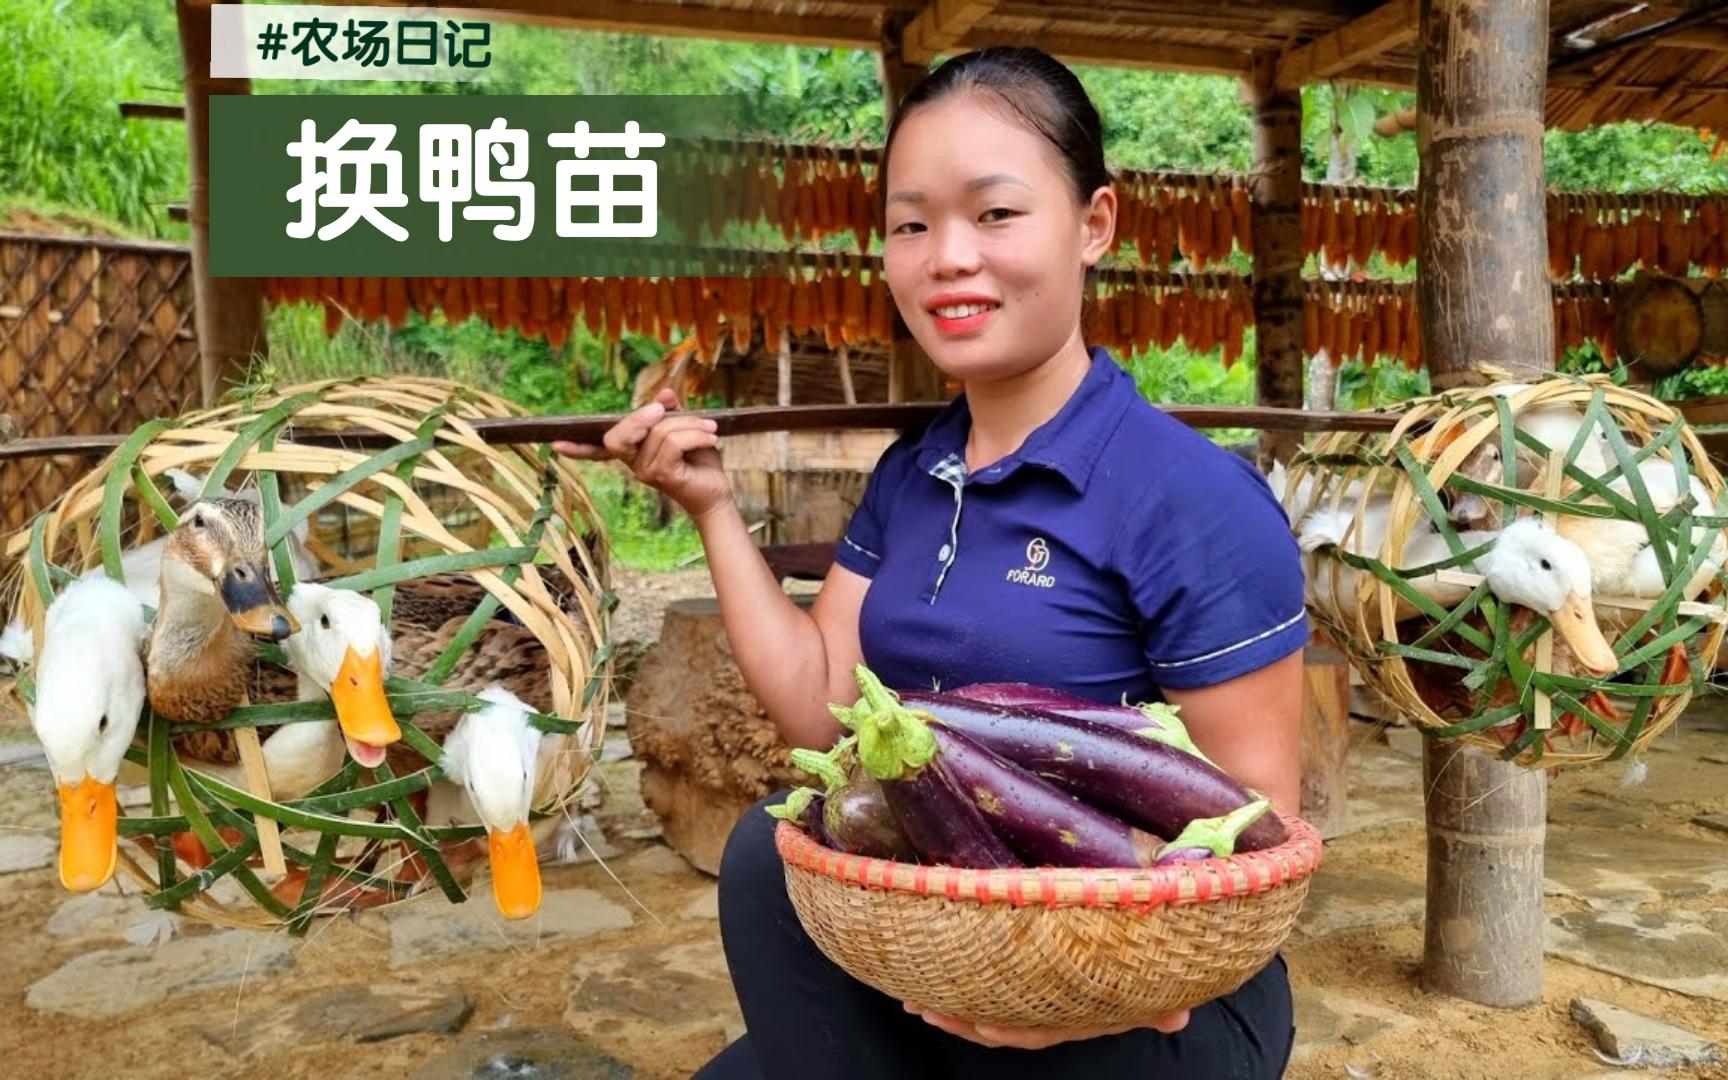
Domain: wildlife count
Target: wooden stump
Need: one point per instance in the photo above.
(707, 746)
(1325, 739)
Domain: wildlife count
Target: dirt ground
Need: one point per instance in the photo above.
(625, 964)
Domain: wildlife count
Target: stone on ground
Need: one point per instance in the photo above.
(1325, 1018)
(109, 982)
(24, 851)
(1601, 868)
(1356, 899)
(1644, 1041)
(433, 927)
(1684, 951)
(361, 1013)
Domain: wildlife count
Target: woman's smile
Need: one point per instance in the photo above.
(961, 314)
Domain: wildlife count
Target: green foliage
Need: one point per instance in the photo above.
(62, 137)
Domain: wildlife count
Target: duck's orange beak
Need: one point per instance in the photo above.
(89, 830)
(361, 707)
(515, 872)
(1575, 622)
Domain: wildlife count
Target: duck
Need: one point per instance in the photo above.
(339, 653)
(1528, 565)
(494, 755)
(90, 692)
(214, 598)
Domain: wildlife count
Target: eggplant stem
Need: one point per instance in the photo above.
(1219, 834)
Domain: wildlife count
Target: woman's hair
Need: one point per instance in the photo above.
(1047, 97)
(1039, 89)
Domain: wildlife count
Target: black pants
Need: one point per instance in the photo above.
(807, 1019)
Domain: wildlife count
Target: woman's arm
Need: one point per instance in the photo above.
(1252, 727)
(794, 661)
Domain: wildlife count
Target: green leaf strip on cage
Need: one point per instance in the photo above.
(1429, 498)
(390, 523)
(201, 880)
(342, 482)
(301, 918)
(152, 497)
(427, 848)
(476, 622)
(201, 827)
(114, 495)
(265, 425)
(1458, 614)
(160, 752)
(39, 565)
(1432, 656)
(270, 496)
(367, 580)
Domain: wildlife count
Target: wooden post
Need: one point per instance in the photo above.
(230, 311)
(1484, 298)
(1277, 180)
(1325, 739)
(911, 375)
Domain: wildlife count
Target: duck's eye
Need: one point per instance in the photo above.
(324, 621)
(240, 573)
(197, 521)
(1546, 565)
(102, 724)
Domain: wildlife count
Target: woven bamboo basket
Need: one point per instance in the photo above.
(439, 501)
(1051, 947)
(1483, 671)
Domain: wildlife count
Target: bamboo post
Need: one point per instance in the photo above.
(911, 375)
(1484, 298)
(1277, 217)
(230, 311)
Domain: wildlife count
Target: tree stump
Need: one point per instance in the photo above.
(1325, 739)
(707, 747)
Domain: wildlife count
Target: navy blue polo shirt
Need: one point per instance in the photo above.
(1116, 552)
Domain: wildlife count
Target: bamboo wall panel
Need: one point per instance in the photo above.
(95, 336)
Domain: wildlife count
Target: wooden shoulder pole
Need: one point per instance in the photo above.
(230, 311)
(1277, 216)
(1484, 298)
(911, 375)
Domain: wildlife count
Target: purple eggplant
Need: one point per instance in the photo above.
(1045, 825)
(1145, 782)
(899, 750)
(1207, 838)
(804, 808)
(1156, 720)
(860, 821)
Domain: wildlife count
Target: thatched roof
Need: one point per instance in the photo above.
(1678, 74)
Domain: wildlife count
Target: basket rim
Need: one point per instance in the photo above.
(1174, 885)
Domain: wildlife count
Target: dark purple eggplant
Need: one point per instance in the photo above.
(1145, 782)
(1045, 825)
(1153, 721)
(804, 807)
(1207, 838)
(860, 821)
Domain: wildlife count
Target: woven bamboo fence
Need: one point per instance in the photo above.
(95, 336)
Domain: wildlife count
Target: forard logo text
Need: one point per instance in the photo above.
(1037, 558)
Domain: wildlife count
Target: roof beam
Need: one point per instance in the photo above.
(1113, 52)
(941, 26)
(1707, 38)
(1387, 27)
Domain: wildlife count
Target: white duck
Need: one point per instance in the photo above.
(494, 755)
(1529, 565)
(341, 652)
(89, 694)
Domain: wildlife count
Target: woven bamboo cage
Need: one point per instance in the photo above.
(514, 526)
(1480, 669)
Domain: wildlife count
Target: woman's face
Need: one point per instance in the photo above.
(986, 244)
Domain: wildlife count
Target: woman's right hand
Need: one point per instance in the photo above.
(670, 451)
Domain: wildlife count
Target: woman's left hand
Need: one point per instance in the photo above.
(1038, 1038)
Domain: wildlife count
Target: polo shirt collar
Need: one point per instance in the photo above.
(1068, 444)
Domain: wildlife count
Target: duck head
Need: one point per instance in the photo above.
(218, 550)
(342, 648)
(89, 693)
(492, 752)
(1533, 566)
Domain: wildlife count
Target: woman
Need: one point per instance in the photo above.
(1048, 526)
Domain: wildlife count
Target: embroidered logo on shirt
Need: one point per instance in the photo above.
(1037, 558)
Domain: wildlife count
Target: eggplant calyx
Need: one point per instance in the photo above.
(822, 766)
(895, 742)
(1167, 729)
(1219, 834)
(797, 802)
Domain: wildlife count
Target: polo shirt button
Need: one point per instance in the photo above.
(944, 553)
